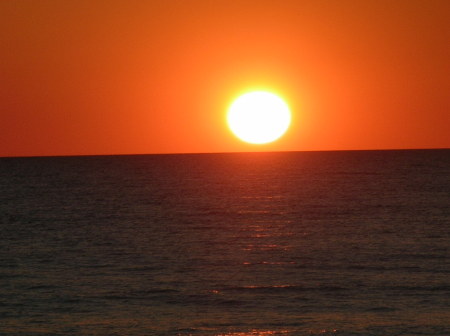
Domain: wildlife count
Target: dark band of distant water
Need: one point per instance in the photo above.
(302, 243)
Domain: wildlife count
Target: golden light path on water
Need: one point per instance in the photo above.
(278, 332)
(256, 333)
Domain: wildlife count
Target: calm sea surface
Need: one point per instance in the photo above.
(301, 243)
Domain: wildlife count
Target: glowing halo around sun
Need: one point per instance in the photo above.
(259, 117)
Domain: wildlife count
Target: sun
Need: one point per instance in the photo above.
(259, 117)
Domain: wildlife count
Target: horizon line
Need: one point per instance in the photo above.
(231, 152)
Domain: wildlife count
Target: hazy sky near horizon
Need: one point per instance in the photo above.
(122, 77)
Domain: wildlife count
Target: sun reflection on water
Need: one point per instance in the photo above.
(256, 333)
(322, 332)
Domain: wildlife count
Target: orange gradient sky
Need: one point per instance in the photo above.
(123, 77)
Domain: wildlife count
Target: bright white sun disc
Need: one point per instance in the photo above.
(259, 117)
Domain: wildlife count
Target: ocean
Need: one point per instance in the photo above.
(241, 244)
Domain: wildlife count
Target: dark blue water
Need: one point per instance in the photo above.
(302, 243)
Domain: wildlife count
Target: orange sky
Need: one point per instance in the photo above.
(121, 77)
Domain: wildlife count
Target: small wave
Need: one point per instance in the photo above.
(381, 309)
(13, 276)
(140, 268)
(366, 173)
(159, 291)
(436, 288)
(38, 287)
(294, 288)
